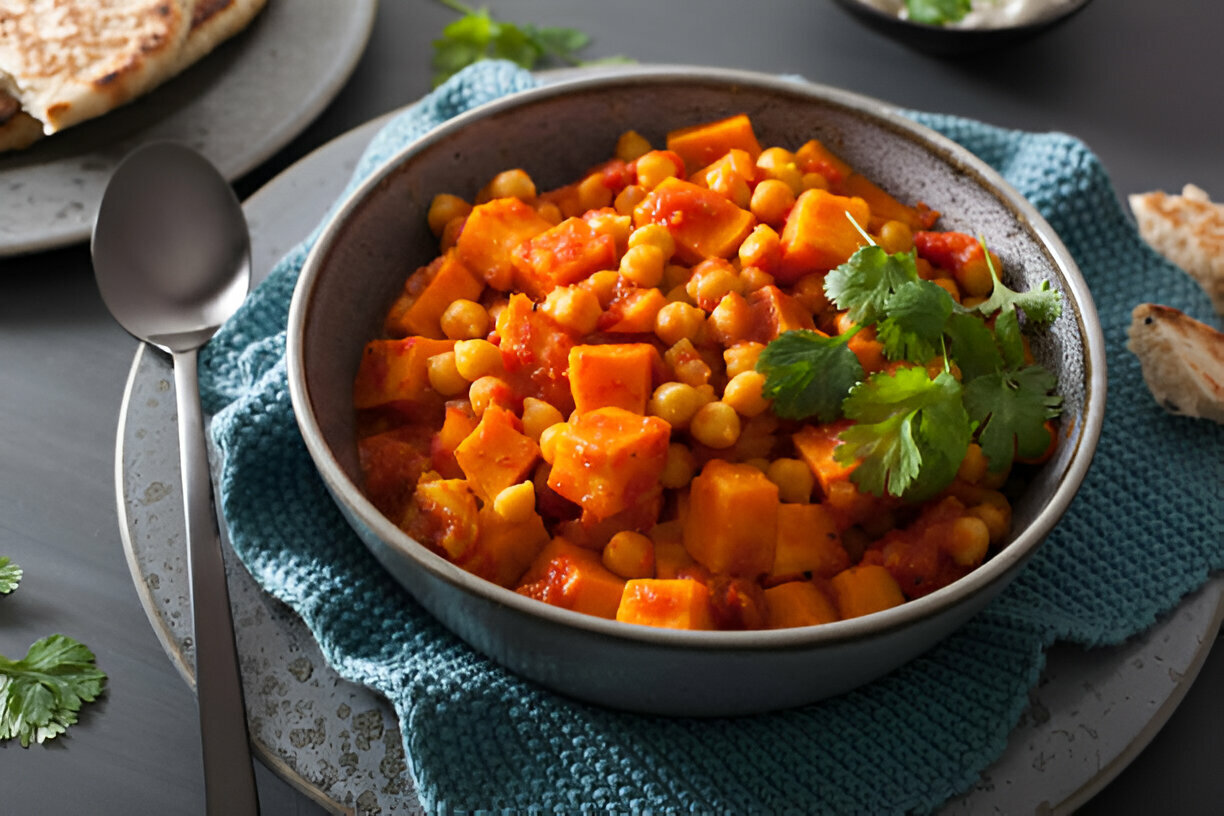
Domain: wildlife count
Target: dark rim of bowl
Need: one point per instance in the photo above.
(982, 578)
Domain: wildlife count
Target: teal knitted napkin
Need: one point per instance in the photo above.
(1145, 529)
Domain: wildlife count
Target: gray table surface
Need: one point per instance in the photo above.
(1138, 80)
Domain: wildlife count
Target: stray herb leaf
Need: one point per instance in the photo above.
(477, 35)
(808, 374)
(41, 694)
(10, 575)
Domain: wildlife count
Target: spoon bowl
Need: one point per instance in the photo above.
(171, 253)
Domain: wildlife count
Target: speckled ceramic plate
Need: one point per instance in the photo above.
(237, 106)
(1090, 714)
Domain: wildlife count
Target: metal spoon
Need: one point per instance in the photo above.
(171, 255)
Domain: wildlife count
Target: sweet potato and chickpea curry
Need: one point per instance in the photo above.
(704, 386)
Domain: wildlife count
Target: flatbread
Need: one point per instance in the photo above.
(1182, 360)
(1188, 230)
(65, 61)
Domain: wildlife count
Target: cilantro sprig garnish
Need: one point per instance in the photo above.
(10, 575)
(912, 427)
(41, 694)
(937, 12)
(476, 35)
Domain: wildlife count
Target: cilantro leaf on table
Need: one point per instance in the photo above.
(937, 12)
(863, 284)
(476, 35)
(1011, 408)
(916, 314)
(41, 694)
(910, 433)
(10, 575)
(808, 374)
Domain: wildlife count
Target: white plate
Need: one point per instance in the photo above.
(237, 106)
(1090, 714)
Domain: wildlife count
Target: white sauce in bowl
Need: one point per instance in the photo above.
(991, 13)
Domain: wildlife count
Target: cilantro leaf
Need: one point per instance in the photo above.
(1011, 408)
(10, 575)
(808, 374)
(41, 694)
(1007, 333)
(910, 433)
(937, 12)
(973, 346)
(863, 284)
(917, 312)
(477, 35)
(1042, 305)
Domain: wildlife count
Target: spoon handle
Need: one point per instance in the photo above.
(229, 778)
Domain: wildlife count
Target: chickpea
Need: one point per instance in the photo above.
(679, 468)
(630, 555)
(654, 167)
(538, 416)
(476, 358)
(997, 520)
(974, 277)
(772, 200)
(678, 321)
(593, 194)
(742, 357)
(602, 285)
(550, 212)
(489, 390)
(443, 209)
(711, 279)
(444, 377)
(731, 320)
(715, 425)
(465, 320)
(755, 278)
(574, 308)
(814, 181)
(949, 286)
(628, 199)
(450, 233)
(761, 248)
(675, 275)
(654, 235)
(896, 236)
(973, 466)
(510, 184)
(809, 291)
(779, 163)
(607, 222)
(794, 480)
(548, 440)
(687, 364)
(675, 403)
(967, 541)
(727, 183)
(743, 393)
(643, 265)
(631, 145)
(516, 503)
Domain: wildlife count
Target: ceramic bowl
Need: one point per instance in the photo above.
(555, 132)
(951, 41)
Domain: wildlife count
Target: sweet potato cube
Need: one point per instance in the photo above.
(678, 603)
(736, 162)
(816, 444)
(797, 603)
(703, 223)
(616, 374)
(504, 549)
(561, 255)
(883, 206)
(818, 235)
(633, 311)
(609, 459)
(457, 424)
(865, 589)
(396, 370)
(535, 352)
(671, 559)
(698, 145)
(775, 312)
(497, 453)
(443, 515)
(814, 157)
(490, 235)
(808, 541)
(568, 576)
(391, 464)
(732, 522)
(428, 292)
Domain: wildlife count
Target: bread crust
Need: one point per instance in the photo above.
(1182, 360)
(1187, 229)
